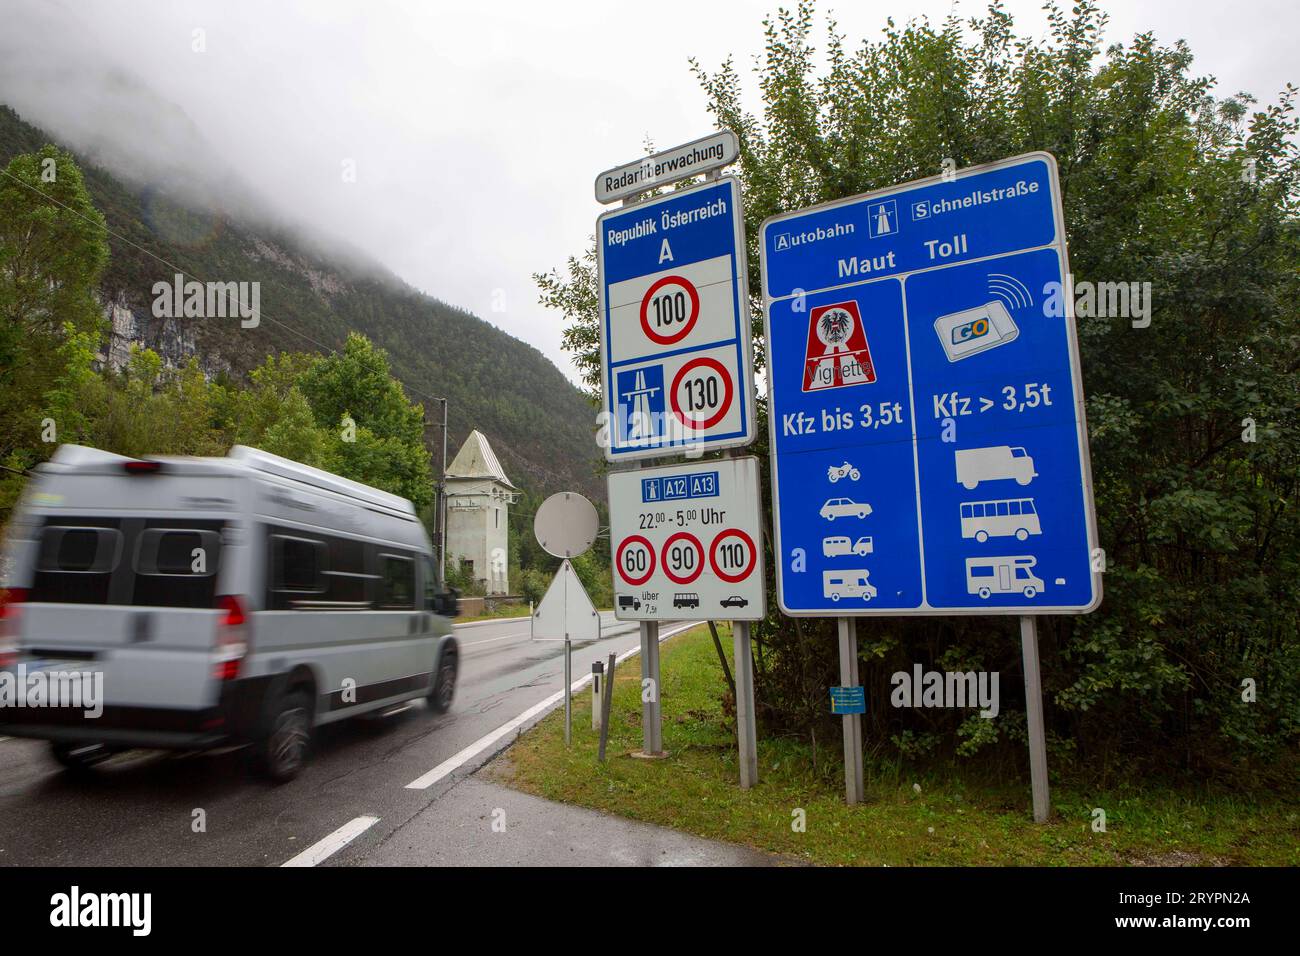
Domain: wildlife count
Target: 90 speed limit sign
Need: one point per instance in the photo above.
(687, 542)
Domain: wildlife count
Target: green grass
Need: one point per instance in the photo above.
(905, 821)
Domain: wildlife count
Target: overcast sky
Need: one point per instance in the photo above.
(476, 128)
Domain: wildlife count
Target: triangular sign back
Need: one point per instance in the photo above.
(566, 609)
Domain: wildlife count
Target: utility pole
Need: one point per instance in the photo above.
(442, 505)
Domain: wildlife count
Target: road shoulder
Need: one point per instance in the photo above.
(481, 823)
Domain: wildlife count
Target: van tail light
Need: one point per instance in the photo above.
(232, 638)
(11, 601)
(135, 467)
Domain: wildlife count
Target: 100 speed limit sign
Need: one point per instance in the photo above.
(686, 542)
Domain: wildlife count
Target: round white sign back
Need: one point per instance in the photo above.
(566, 524)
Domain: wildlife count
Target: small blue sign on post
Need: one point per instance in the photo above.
(848, 700)
(929, 450)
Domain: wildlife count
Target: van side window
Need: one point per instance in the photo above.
(176, 567)
(296, 564)
(347, 583)
(80, 550)
(177, 552)
(76, 561)
(397, 582)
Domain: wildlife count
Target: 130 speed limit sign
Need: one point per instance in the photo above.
(702, 392)
(686, 542)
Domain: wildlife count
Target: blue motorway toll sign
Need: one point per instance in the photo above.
(676, 355)
(848, 700)
(929, 450)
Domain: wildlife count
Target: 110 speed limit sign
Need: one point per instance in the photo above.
(687, 542)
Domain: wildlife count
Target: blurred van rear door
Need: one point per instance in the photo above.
(134, 598)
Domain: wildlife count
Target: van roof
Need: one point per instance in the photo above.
(240, 461)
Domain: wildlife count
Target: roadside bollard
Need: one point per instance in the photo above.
(568, 691)
(597, 671)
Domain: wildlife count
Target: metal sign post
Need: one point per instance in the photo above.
(1034, 712)
(568, 670)
(651, 713)
(853, 783)
(746, 731)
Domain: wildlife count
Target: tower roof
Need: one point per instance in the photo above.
(476, 459)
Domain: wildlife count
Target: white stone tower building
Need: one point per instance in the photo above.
(478, 499)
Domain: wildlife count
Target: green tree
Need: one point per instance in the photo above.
(53, 248)
(376, 435)
(274, 415)
(596, 578)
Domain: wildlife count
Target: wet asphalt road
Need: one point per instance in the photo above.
(140, 808)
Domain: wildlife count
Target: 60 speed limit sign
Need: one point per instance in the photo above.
(676, 355)
(687, 542)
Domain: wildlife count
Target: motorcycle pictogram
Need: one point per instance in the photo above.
(836, 472)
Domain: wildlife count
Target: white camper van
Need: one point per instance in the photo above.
(246, 598)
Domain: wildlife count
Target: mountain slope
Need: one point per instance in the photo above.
(538, 422)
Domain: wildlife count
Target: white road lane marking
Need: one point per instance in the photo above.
(510, 637)
(336, 841)
(453, 763)
(493, 640)
(489, 620)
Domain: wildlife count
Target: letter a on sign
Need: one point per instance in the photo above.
(665, 253)
(837, 355)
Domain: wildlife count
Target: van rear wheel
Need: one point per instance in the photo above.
(282, 750)
(79, 757)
